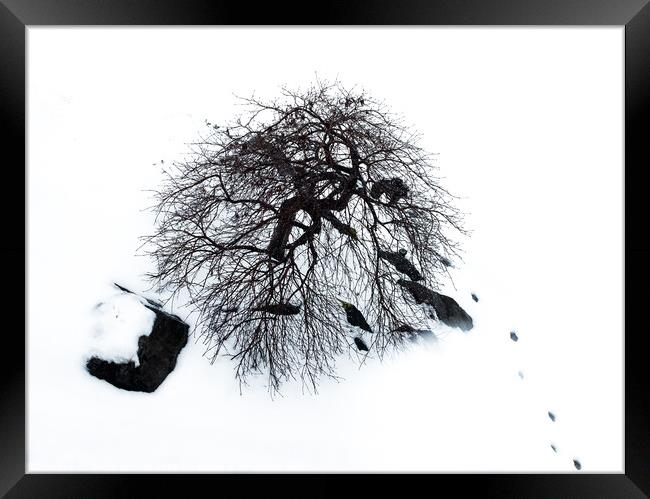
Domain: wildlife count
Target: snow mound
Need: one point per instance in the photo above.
(118, 323)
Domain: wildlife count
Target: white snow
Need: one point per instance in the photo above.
(528, 127)
(119, 320)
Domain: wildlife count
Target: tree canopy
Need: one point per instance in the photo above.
(298, 206)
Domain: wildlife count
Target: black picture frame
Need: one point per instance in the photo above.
(15, 15)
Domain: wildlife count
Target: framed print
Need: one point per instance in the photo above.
(403, 240)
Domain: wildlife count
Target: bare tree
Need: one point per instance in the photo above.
(300, 207)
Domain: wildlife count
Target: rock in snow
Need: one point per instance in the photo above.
(361, 345)
(413, 334)
(401, 263)
(157, 353)
(280, 309)
(355, 317)
(446, 308)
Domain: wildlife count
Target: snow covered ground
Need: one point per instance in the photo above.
(528, 124)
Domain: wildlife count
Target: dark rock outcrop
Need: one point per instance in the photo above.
(157, 354)
(404, 328)
(414, 334)
(447, 310)
(361, 345)
(401, 264)
(355, 317)
(279, 309)
(419, 292)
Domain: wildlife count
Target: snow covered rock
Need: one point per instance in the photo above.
(157, 351)
(446, 308)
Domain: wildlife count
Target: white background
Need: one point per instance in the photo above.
(528, 124)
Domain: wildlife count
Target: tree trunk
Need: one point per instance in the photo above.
(280, 236)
